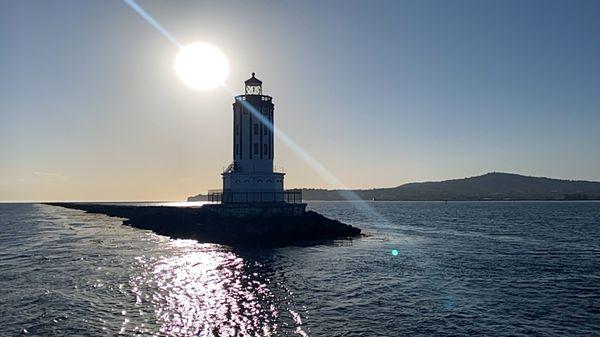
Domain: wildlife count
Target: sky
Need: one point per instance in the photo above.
(380, 93)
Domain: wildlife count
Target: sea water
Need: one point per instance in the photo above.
(422, 269)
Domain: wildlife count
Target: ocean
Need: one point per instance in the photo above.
(422, 269)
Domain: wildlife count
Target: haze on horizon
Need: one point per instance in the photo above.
(401, 91)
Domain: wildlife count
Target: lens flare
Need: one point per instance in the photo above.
(152, 21)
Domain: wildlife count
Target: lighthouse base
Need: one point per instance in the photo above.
(254, 209)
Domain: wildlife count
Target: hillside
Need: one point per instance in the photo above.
(490, 186)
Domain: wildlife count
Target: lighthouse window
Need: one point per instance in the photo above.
(237, 129)
(266, 149)
(255, 148)
(237, 148)
(255, 129)
(264, 130)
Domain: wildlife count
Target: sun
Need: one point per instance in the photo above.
(201, 66)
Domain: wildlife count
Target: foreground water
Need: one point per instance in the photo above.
(497, 269)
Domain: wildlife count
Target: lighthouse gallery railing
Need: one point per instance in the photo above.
(293, 196)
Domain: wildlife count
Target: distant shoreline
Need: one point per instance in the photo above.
(490, 187)
(309, 200)
(493, 186)
(433, 200)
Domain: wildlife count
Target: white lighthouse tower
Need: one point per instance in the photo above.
(250, 184)
(250, 177)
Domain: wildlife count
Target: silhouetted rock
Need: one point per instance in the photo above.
(206, 226)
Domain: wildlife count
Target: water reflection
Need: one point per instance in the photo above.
(205, 290)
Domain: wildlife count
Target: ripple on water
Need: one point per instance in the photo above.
(462, 269)
(204, 288)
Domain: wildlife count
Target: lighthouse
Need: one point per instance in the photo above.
(250, 181)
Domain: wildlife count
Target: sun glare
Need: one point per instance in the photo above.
(201, 66)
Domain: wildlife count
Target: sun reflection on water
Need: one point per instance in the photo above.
(205, 290)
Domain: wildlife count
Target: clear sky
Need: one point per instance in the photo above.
(381, 93)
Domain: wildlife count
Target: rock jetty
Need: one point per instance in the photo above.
(204, 225)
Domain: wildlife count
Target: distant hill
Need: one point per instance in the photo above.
(198, 197)
(490, 186)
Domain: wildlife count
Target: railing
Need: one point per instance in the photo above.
(290, 196)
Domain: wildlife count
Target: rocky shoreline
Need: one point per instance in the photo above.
(203, 225)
